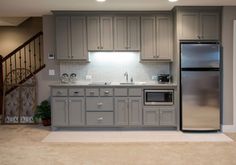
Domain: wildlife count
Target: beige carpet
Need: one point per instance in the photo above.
(22, 145)
(133, 137)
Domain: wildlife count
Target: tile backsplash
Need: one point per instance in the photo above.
(111, 66)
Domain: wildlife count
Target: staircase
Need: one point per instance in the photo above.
(20, 65)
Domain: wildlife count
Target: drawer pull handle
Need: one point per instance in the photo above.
(99, 104)
(91, 92)
(76, 92)
(106, 92)
(59, 92)
(100, 119)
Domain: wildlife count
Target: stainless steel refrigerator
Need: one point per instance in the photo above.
(200, 86)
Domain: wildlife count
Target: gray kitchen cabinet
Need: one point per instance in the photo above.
(71, 40)
(156, 38)
(167, 117)
(99, 103)
(76, 111)
(99, 118)
(126, 33)
(128, 111)
(100, 33)
(199, 25)
(135, 111)
(151, 116)
(59, 111)
(121, 111)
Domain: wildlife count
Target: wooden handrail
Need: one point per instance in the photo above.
(22, 46)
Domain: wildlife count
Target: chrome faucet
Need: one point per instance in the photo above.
(126, 76)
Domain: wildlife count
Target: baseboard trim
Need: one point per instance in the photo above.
(229, 128)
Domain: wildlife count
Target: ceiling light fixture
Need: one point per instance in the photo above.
(173, 0)
(100, 0)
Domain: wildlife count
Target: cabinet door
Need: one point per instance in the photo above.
(133, 29)
(93, 34)
(121, 111)
(164, 38)
(63, 37)
(76, 111)
(167, 117)
(59, 111)
(106, 30)
(189, 25)
(78, 38)
(151, 116)
(135, 111)
(120, 33)
(210, 26)
(148, 42)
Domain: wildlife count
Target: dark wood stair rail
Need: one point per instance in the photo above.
(29, 55)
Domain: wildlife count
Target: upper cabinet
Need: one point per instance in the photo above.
(100, 33)
(127, 33)
(156, 38)
(71, 40)
(198, 24)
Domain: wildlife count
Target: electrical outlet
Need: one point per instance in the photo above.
(154, 77)
(88, 77)
(51, 72)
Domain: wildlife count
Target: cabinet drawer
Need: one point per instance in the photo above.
(59, 91)
(121, 92)
(135, 92)
(76, 91)
(92, 92)
(99, 118)
(106, 92)
(99, 104)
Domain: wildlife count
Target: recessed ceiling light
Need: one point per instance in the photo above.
(173, 0)
(100, 0)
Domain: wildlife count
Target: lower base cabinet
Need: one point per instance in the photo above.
(128, 111)
(156, 116)
(68, 111)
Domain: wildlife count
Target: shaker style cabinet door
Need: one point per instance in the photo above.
(121, 111)
(189, 25)
(106, 33)
(135, 111)
(78, 38)
(151, 116)
(59, 111)
(63, 37)
(164, 38)
(76, 111)
(148, 38)
(133, 33)
(210, 26)
(93, 26)
(167, 117)
(120, 33)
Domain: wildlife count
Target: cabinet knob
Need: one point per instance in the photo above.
(100, 119)
(157, 56)
(98, 47)
(72, 56)
(199, 37)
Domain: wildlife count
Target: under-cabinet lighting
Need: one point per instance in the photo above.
(100, 0)
(173, 0)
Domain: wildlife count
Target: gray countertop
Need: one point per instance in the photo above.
(117, 84)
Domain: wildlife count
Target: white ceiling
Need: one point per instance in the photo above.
(22, 8)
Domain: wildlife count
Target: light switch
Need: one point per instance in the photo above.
(51, 72)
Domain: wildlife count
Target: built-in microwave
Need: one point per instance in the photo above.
(158, 97)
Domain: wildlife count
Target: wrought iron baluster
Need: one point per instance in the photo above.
(34, 57)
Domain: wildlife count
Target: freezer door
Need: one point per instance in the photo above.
(200, 55)
(200, 100)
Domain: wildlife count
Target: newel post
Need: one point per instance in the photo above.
(1, 85)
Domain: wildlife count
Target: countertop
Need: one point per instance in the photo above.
(111, 84)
